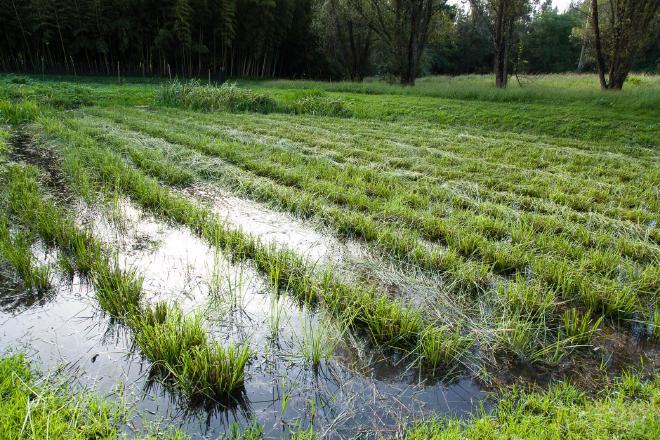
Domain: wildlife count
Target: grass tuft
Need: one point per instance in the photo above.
(21, 112)
(118, 292)
(319, 106)
(16, 251)
(579, 327)
(180, 351)
(441, 347)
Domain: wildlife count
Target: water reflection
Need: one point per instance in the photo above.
(356, 388)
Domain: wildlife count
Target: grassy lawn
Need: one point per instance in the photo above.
(535, 211)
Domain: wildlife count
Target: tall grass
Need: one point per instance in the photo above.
(640, 92)
(16, 251)
(228, 97)
(192, 95)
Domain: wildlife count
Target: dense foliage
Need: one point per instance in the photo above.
(189, 37)
(331, 39)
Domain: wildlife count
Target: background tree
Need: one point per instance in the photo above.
(179, 37)
(403, 26)
(465, 48)
(547, 45)
(324, 38)
(501, 16)
(627, 29)
(346, 37)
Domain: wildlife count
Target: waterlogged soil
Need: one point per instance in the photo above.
(356, 389)
(351, 259)
(25, 150)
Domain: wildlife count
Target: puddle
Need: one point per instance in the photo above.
(350, 258)
(355, 389)
(274, 227)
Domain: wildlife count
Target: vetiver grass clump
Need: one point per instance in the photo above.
(316, 102)
(578, 326)
(118, 292)
(192, 95)
(182, 352)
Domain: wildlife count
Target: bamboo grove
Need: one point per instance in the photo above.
(156, 37)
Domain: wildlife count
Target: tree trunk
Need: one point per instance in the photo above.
(597, 43)
(501, 45)
(580, 65)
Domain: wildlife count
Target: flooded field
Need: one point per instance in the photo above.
(328, 277)
(356, 386)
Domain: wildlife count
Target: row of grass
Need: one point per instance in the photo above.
(177, 346)
(15, 249)
(526, 310)
(501, 169)
(389, 322)
(577, 272)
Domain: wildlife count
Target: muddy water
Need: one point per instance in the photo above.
(356, 388)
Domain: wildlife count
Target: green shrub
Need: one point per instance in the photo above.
(227, 97)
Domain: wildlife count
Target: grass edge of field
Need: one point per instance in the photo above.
(39, 405)
(624, 409)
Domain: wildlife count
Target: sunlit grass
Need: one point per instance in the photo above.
(179, 349)
(626, 409)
